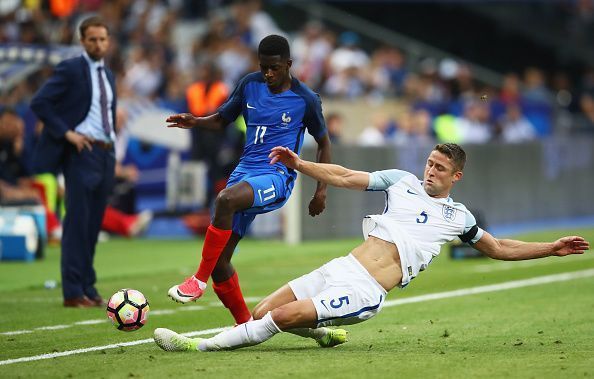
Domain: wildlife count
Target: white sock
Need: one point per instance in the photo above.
(248, 334)
(309, 333)
(201, 284)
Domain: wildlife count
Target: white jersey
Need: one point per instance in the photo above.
(415, 222)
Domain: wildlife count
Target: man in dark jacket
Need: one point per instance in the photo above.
(78, 106)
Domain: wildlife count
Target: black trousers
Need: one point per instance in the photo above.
(89, 181)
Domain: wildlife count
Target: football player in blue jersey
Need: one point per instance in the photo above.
(277, 109)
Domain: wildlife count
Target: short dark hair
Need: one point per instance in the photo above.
(453, 151)
(274, 45)
(91, 21)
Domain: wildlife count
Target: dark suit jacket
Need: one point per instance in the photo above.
(62, 103)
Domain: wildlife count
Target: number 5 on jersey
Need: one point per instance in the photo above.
(260, 131)
(423, 218)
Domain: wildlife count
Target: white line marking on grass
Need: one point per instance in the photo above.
(105, 347)
(197, 307)
(16, 332)
(54, 327)
(494, 287)
(158, 312)
(33, 300)
(415, 299)
(90, 322)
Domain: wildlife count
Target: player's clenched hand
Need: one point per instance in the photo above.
(570, 245)
(182, 120)
(285, 156)
(317, 204)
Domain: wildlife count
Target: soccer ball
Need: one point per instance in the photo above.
(128, 310)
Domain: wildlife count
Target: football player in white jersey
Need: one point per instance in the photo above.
(419, 217)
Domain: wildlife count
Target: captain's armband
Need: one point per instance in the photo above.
(469, 235)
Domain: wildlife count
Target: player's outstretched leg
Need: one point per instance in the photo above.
(190, 290)
(169, 340)
(325, 337)
(248, 334)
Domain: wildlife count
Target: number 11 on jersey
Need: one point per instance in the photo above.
(260, 130)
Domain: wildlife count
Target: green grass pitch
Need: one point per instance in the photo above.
(536, 331)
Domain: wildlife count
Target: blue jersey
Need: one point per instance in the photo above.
(272, 120)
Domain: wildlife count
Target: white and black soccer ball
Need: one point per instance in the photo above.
(128, 309)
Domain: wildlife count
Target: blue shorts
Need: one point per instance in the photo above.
(271, 191)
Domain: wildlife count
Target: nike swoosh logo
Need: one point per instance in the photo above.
(324, 304)
(249, 106)
(183, 294)
(409, 191)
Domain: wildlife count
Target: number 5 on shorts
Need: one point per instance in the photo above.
(337, 303)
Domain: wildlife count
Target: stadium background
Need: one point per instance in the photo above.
(428, 63)
(399, 75)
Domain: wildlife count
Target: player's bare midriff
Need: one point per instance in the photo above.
(381, 259)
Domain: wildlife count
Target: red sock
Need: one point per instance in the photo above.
(230, 294)
(215, 241)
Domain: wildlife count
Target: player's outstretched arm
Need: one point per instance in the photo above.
(514, 250)
(189, 121)
(331, 174)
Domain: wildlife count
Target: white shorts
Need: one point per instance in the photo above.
(342, 292)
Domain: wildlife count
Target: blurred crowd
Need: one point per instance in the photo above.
(162, 49)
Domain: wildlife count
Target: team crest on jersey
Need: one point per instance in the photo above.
(449, 212)
(286, 119)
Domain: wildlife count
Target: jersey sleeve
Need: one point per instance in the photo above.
(472, 232)
(382, 180)
(231, 109)
(313, 119)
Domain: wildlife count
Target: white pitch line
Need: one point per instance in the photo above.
(16, 332)
(33, 300)
(90, 322)
(415, 299)
(494, 287)
(54, 327)
(105, 347)
(158, 312)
